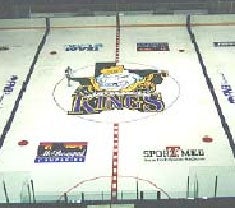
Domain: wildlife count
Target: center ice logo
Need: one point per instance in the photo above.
(114, 87)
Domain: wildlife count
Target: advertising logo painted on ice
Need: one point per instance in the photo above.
(61, 152)
(174, 153)
(84, 47)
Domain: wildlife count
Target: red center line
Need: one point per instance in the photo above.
(115, 155)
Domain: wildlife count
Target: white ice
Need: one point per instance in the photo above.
(184, 123)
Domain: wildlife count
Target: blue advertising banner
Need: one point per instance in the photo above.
(227, 89)
(153, 46)
(61, 152)
(224, 44)
(9, 88)
(84, 47)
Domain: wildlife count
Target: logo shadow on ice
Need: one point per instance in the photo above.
(167, 93)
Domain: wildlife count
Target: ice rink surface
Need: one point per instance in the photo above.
(190, 114)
